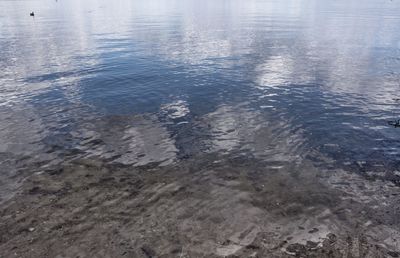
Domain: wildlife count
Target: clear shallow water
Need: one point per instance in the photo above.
(156, 82)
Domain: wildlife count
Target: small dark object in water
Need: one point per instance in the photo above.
(394, 123)
(32, 14)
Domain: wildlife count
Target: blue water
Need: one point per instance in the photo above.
(157, 82)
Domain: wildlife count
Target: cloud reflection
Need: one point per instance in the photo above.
(239, 128)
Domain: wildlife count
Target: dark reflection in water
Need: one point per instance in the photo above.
(155, 82)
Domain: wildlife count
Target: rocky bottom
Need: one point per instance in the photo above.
(205, 207)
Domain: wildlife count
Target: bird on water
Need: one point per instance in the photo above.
(32, 14)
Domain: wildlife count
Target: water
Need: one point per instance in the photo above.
(323, 76)
(256, 86)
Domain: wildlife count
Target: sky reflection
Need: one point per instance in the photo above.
(323, 72)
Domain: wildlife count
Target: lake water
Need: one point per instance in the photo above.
(157, 83)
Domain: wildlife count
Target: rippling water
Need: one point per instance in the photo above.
(152, 83)
(204, 128)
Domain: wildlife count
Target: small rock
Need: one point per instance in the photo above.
(312, 245)
(253, 247)
(393, 254)
(148, 252)
(332, 237)
(297, 249)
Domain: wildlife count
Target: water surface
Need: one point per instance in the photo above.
(155, 81)
(239, 101)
